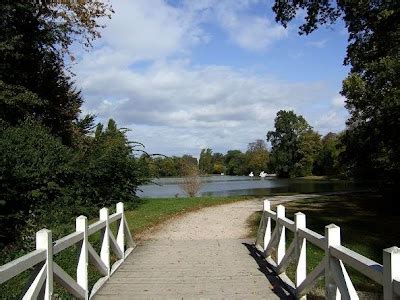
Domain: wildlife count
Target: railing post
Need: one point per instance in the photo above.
(391, 271)
(44, 241)
(267, 235)
(82, 267)
(332, 235)
(301, 270)
(121, 229)
(280, 213)
(105, 243)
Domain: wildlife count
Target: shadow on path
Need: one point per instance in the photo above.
(278, 287)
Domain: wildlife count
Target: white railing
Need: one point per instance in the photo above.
(45, 269)
(337, 281)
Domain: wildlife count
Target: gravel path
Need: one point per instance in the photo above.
(228, 221)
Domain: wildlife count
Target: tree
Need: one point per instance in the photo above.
(328, 159)
(235, 162)
(372, 88)
(191, 182)
(33, 42)
(257, 156)
(294, 145)
(206, 161)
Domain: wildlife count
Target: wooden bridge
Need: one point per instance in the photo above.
(207, 269)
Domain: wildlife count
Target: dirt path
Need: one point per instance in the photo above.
(228, 221)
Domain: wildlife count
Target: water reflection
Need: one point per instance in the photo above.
(244, 185)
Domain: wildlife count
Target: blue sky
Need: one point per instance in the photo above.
(185, 75)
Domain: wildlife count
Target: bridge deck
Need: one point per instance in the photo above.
(182, 269)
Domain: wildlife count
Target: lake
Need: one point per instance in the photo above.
(243, 185)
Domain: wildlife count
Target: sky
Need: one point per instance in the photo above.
(186, 75)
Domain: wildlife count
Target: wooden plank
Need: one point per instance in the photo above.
(95, 259)
(364, 265)
(96, 226)
(289, 224)
(116, 265)
(36, 285)
(311, 279)
(114, 217)
(21, 264)
(114, 246)
(97, 286)
(313, 237)
(343, 281)
(68, 282)
(285, 260)
(130, 241)
(271, 214)
(67, 241)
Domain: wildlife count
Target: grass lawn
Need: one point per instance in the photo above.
(365, 228)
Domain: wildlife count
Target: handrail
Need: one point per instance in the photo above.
(332, 265)
(47, 269)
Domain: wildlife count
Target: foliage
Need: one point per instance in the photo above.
(235, 162)
(191, 183)
(328, 159)
(206, 165)
(372, 88)
(257, 157)
(294, 145)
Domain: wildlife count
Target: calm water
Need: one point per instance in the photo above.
(244, 185)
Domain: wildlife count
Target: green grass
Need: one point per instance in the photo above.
(365, 228)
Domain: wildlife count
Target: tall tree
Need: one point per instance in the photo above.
(235, 162)
(33, 42)
(294, 145)
(257, 157)
(206, 161)
(372, 88)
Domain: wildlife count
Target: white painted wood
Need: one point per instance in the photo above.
(267, 220)
(19, 265)
(364, 265)
(83, 261)
(286, 259)
(280, 253)
(289, 224)
(272, 242)
(95, 259)
(121, 229)
(311, 279)
(313, 237)
(36, 285)
(114, 246)
(130, 242)
(301, 247)
(67, 241)
(271, 214)
(44, 242)
(114, 217)
(105, 240)
(96, 226)
(67, 282)
(391, 272)
(332, 235)
(343, 280)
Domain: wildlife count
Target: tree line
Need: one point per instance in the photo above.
(296, 151)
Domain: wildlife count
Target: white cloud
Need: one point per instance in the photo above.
(248, 31)
(338, 102)
(173, 105)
